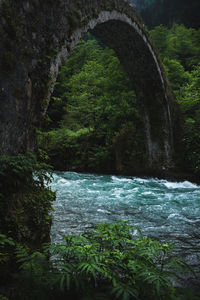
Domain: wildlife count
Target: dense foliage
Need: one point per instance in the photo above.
(111, 262)
(167, 12)
(16, 173)
(93, 117)
(94, 122)
(25, 204)
(179, 48)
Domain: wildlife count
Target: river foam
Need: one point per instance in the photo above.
(169, 211)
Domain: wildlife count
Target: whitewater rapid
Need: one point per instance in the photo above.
(168, 211)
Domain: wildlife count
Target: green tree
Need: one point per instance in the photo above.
(91, 104)
(179, 43)
(160, 36)
(168, 12)
(176, 74)
(179, 49)
(190, 104)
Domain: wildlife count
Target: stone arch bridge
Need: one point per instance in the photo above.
(38, 35)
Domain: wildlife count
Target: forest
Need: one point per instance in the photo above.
(94, 124)
(94, 119)
(167, 12)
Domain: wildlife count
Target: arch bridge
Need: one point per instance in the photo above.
(36, 38)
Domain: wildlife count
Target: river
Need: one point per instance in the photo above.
(168, 211)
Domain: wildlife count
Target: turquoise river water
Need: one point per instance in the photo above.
(169, 211)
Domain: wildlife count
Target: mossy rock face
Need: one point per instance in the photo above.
(37, 36)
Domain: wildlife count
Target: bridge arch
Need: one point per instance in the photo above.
(38, 35)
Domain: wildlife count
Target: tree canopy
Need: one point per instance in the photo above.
(94, 120)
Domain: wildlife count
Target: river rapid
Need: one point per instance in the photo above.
(168, 211)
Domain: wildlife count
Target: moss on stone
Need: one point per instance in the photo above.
(73, 21)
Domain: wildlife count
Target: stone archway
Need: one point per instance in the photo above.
(38, 35)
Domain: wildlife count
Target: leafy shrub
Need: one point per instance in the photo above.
(25, 204)
(21, 172)
(25, 199)
(4, 243)
(189, 100)
(110, 262)
(3, 298)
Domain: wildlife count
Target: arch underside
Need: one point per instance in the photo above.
(140, 65)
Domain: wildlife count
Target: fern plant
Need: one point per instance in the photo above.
(107, 263)
(5, 244)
